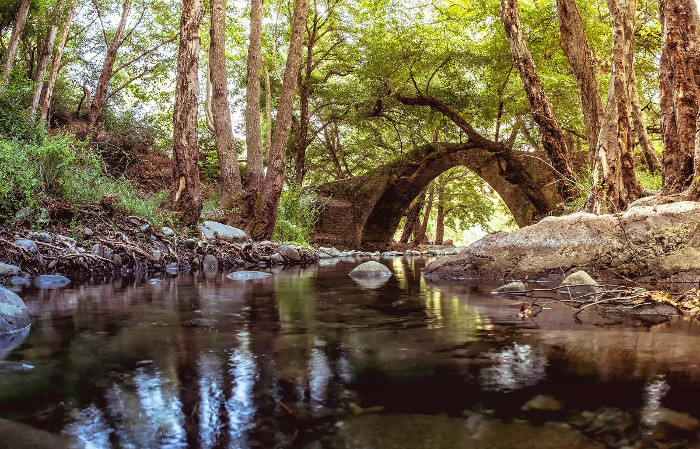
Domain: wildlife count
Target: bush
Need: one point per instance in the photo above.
(15, 124)
(20, 186)
(296, 217)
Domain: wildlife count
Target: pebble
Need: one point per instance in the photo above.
(87, 232)
(144, 227)
(156, 254)
(167, 231)
(210, 262)
(41, 237)
(117, 260)
(190, 244)
(98, 250)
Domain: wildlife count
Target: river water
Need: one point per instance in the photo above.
(310, 358)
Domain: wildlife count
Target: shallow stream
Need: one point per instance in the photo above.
(310, 358)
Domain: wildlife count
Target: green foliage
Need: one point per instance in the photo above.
(649, 181)
(19, 186)
(296, 217)
(582, 187)
(65, 168)
(14, 122)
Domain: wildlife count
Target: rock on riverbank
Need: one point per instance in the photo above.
(645, 243)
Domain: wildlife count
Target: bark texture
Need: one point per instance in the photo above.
(13, 44)
(679, 83)
(56, 65)
(541, 109)
(412, 217)
(44, 60)
(420, 236)
(253, 139)
(266, 214)
(614, 181)
(99, 99)
(577, 51)
(186, 191)
(223, 131)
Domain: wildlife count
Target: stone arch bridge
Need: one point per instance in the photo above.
(365, 211)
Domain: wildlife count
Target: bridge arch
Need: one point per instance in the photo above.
(365, 211)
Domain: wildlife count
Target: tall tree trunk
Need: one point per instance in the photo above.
(99, 99)
(577, 51)
(679, 82)
(223, 131)
(541, 109)
(268, 111)
(303, 130)
(46, 53)
(13, 45)
(419, 237)
(440, 224)
(614, 182)
(413, 217)
(186, 191)
(266, 215)
(253, 139)
(329, 140)
(56, 66)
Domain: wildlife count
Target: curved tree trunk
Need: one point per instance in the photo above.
(186, 191)
(679, 83)
(223, 131)
(56, 66)
(266, 214)
(413, 216)
(99, 99)
(13, 45)
(541, 109)
(577, 51)
(253, 139)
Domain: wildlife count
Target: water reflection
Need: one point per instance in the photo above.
(514, 367)
(202, 361)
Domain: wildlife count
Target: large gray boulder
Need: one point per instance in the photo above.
(646, 242)
(290, 253)
(370, 269)
(7, 270)
(13, 312)
(213, 230)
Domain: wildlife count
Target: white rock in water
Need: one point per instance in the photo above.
(370, 269)
(248, 275)
(579, 278)
(513, 287)
(213, 230)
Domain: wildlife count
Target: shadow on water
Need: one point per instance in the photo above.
(310, 358)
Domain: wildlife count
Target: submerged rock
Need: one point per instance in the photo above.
(7, 270)
(50, 281)
(13, 312)
(213, 230)
(542, 402)
(513, 287)
(248, 275)
(646, 243)
(370, 269)
(210, 263)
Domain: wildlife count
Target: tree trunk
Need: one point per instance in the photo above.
(186, 191)
(266, 215)
(56, 66)
(614, 182)
(46, 53)
(303, 131)
(13, 45)
(541, 108)
(419, 237)
(440, 224)
(412, 217)
(679, 82)
(223, 131)
(268, 111)
(253, 139)
(577, 51)
(99, 99)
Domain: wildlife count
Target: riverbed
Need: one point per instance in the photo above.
(310, 358)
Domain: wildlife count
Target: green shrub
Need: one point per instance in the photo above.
(296, 217)
(15, 124)
(649, 181)
(20, 186)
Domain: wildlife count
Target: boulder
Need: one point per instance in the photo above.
(579, 278)
(27, 244)
(289, 253)
(210, 263)
(50, 281)
(277, 258)
(248, 275)
(328, 252)
(370, 269)
(645, 243)
(190, 243)
(7, 270)
(212, 230)
(513, 287)
(13, 312)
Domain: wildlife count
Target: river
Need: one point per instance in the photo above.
(312, 359)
